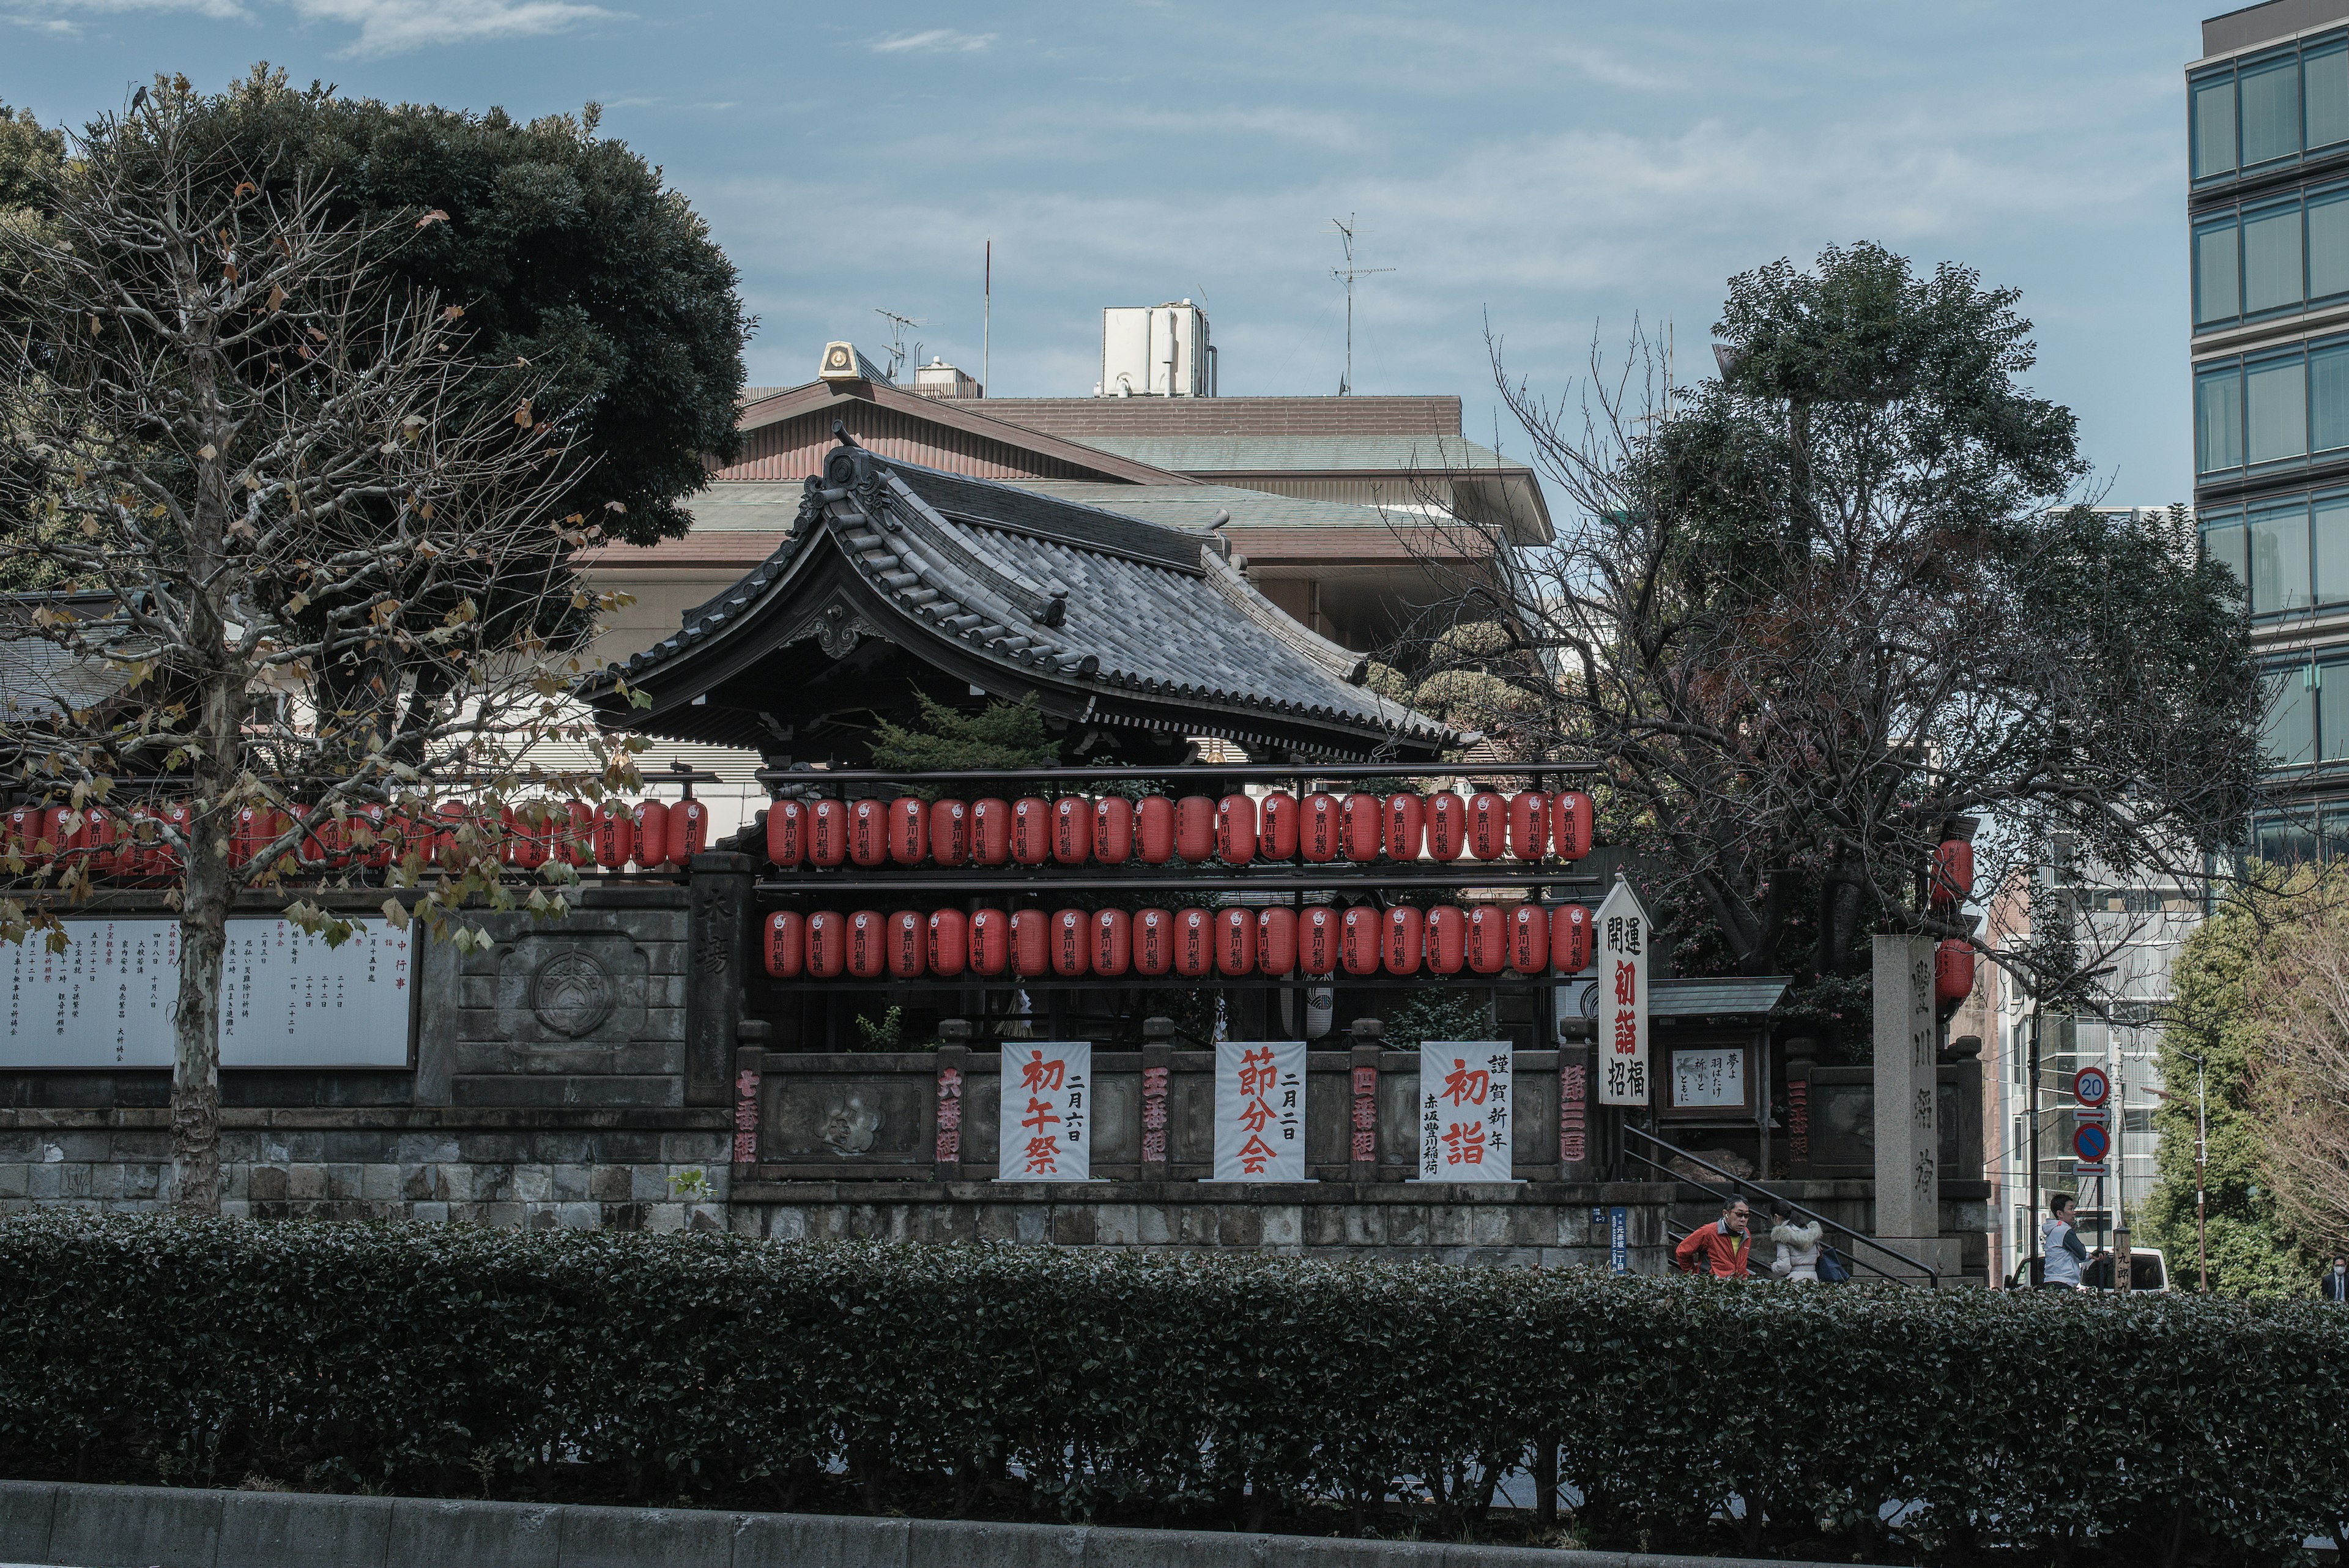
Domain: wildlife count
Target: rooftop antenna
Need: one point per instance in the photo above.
(1346, 276)
(897, 324)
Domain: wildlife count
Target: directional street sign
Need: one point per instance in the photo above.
(2090, 1086)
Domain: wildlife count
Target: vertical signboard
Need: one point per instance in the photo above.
(1045, 1133)
(1619, 1239)
(1464, 1109)
(1623, 943)
(1259, 1110)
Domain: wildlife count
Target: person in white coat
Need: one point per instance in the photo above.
(1798, 1246)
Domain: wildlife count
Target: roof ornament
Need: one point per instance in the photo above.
(1056, 612)
(840, 433)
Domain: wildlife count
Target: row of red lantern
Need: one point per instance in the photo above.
(611, 835)
(1113, 830)
(1191, 943)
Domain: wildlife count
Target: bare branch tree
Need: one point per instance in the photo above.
(314, 582)
(2300, 1068)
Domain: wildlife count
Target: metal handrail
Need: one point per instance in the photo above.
(1759, 1190)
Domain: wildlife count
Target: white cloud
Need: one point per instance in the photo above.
(63, 17)
(385, 27)
(934, 41)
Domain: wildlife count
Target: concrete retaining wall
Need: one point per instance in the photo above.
(131, 1527)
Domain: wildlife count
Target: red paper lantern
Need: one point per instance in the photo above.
(615, 835)
(1317, 939)
(1071, 936)
(1153, 941)
(1489, 939)
(868, 944)
(180, 815)
(1236, 941)
(1954, 876)
(991, 941)
(1569, 939)
(990, 832)
(1031, 830)
(504, 842)
(1448, 939)
(95, 839)
(1112, 942)
(256, 829)
(23, 833)
(1072, 830)
(1530, 825)
(526, 837)
(1195, 828)
(908, 940)
(1277, 839)
(949, 833)
(1405, 944)
(827, 943)
(1529, 939)
(1365, 827)
(1571, 816)
(786, 948)
(139, 838)
(1447, 825)
(1489, 824)
(1406, 825)
(53, 834)
(909, 830)
(1953, 970)
(1359, 940)
(578, 832)
(689, 831)
(451, 819)
(1031, 943)
(1235, 829)
(1276, 941)
(1322, 831)
(1153, 829)
(949, 943)
(1194, 943)
(652, 835)
(1112, 830)
(868, 832)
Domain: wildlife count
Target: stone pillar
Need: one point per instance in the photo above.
(1907, 1174)
(1363, 1163)
(954, 1072)
(717, 953)
(1157, 1079)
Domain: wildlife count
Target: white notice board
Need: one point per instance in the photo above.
(286, 999)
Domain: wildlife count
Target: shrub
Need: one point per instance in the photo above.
(1129, 1386)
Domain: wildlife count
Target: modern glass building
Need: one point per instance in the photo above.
(2268, 203)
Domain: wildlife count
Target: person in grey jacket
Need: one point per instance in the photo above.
(1798, 1246)
(2059, 1244)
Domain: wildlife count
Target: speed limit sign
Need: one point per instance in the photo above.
(2090, 1086)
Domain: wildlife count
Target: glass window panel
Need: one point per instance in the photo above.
(2275, 407)
(2328, 398)
(2335, 826)
(2288, 736)
(2333, 717)
(2214, 126)
(2227, 544)
(2284, 840)
(2219, 420)
(2280, 560)
(2328, 245)
(2272, 259)
(2325, 73)
(2270, 112)
(2218, 291)
(2331, 529)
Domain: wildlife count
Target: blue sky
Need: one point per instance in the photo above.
(1560, 168)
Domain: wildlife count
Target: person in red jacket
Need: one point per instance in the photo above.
(1724, 1248)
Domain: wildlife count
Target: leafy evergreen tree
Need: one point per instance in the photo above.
(999, 735)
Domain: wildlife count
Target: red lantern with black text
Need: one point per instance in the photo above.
(1448, 939)
(615, 836)
(527, 836)
(1154, 830)
(1365, 825)
(949, 832)
(1489, 824)
(180, 815)
(990, 832)
(1530, 825)
(1072, 830)
(1489, 939)
(1236, 941)
(1318, 940)
(1529, 939)
(908, 943)
(1235, 829)
(1953, 970)
(689, 831)
(786, 947)
(1195, 828)
(868, 944)
(1569, 939)
(1276, 941)
(1406, 825)
(1405, 943)
(1447, 825)
(1194, 943)
(1031, 943)
(652, 835)
(1322, 830)
(827, 943)
(141, 835)
(1112, 830)
(1358, 941)
(1277, 839)
(1153, 941)
(868, 831)
(1071, 936)
(991, 943)
(828, 834)
(577, 831)
(1570, 818)
(909, 830)
(1112, 952)
(24, 833)
(95, 839)
(1953, 874)
(1031, 830)
(948, 949)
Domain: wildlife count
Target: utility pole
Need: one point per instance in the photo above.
(2030, 1222)
(2201, 1162)
(1347, 276)
(987, 321)
(2124, 1262)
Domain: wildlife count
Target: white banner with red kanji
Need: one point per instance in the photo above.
(1623, 938)
(1259, 1110)
(1048, 1109)
(1464, 1109)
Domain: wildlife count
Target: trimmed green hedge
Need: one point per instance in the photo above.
(1126, 1386)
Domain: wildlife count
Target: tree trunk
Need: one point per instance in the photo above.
(204, 949)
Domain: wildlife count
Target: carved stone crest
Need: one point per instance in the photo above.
(571, 994)
(848, 1127)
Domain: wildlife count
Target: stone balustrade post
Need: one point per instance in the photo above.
(1364, 1132)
